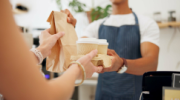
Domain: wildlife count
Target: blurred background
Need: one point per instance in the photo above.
(31, 16)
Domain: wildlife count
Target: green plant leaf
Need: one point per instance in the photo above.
(77, 6)
(99, 12)
(59, 4)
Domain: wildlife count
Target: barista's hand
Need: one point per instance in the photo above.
(117, 62)
(47, 41)
(89, 67)
(70, 18)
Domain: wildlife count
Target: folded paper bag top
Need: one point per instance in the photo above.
(59, 58)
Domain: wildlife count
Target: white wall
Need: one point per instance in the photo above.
(38, 13)
(148, 7)
(40, 10)
(169, 51)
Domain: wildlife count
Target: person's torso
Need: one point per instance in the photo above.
(120, 20)
(125, 40)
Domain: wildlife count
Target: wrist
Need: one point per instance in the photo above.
(124, 67)
(42, 50)
(121, 64)
(38, 55)
(77, 70)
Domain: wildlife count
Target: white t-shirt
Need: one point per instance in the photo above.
(149, 30)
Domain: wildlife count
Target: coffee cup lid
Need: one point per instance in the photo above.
(103, 42)
(87, 40)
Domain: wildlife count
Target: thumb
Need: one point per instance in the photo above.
(58, 35)
(69, 20)
(98, 69)
(92, 54)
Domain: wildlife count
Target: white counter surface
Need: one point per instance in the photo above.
(92, 81)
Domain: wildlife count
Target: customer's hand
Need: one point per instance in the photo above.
(117, 62)
(89, 67)
(70, 18)
(47, 41)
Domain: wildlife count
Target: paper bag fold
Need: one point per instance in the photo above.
(59, 58)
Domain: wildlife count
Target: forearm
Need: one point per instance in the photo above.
(62, 87)
(142, 65)
(16, 78)
(35, 57)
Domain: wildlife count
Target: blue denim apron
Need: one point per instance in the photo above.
(125, 40)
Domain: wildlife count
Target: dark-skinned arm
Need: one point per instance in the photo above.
(148, 62)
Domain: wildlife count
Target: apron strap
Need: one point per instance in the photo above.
(105, 19)
(136, 19)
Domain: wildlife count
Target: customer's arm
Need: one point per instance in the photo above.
(20, 79)
(148, 62)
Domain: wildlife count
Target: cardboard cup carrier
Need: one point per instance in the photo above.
(86, 45)
(69, 48)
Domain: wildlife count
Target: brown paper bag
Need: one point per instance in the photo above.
(59, 58)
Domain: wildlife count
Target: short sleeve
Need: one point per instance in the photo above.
(151, 33)
(92, 29)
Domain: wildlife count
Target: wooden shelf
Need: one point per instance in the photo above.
(169, 24)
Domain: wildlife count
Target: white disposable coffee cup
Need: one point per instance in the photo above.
(102, 46)
(86, 45)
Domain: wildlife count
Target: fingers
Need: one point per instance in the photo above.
(90, 55)
(70, 18)
(45, 32)
(107, 69)
(62, 11)
(48, 30)
(58, 35)
(68, 13)
(98, 69)
(111, 52)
